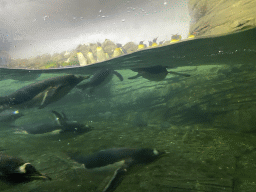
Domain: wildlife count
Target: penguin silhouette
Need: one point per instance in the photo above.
(99, 79)
(123, 159)
(155, 73)
(41, 93)
(63, 125)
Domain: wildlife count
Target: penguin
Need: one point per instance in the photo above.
(107, 56)
(175, 38)
(155, 73)
(10, 115)
(118, 51)
(150, 43)
(123, 159)
(41, 93)
(91, 57)
(141, 45)
(154, 44)
(100, 53)
(14, 170)
(63, 125)
(82, 60)
(191, 36)
(161, 43)
(100, 78)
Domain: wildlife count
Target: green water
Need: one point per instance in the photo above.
(204, 123)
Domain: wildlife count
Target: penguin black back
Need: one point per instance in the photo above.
(110, 156)
(29, 92)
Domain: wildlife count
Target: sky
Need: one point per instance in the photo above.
(33, 27)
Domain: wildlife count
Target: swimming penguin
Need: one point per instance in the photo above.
(100, 53)
(41, 93)
(175, 38)
(141, 45)
(63, 125)
(14, 170)
(155, 73)
(100, 78)
(119, 51)
(154, 44)
(123, 159)
(91, 57)
(10, 115)
(82, 60)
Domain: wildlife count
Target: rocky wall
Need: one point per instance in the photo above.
(215, 17)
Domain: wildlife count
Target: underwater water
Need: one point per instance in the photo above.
(204, 123)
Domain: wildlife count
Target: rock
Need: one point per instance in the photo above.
(130, 47)
(212, 17)
(108, 46)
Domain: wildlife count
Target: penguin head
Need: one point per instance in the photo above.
(119, 45)
(28, 172)
(13, 170)
(141, 42)
(99, 44)
(150, 43)
(154, 40)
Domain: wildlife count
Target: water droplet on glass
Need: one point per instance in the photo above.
(74, 17)
(123, 20)
(100, 11)
(103, 16)
(81, 17)
(133, 9)
(165, 3)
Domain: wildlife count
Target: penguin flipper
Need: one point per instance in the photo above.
(181, 74)
(117, 178)
(135, 77)
(118, 75)
(59, 118)
(48, 94)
